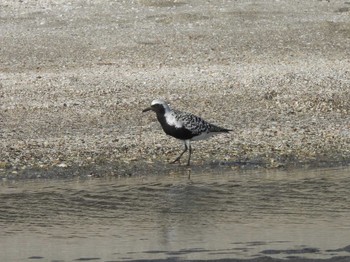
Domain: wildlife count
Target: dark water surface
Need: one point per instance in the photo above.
(280, 214)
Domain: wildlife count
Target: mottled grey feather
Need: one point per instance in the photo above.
(195, 124)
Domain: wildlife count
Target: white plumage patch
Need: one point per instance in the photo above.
(171, 120)
(159, 102)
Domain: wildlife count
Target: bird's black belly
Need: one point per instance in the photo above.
(179, 133)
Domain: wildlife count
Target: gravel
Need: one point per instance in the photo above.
(75, 76)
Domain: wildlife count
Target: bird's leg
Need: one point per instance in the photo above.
(178, 158)
(189, 154)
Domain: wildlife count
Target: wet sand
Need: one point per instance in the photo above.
(75, 76)
(258, 259)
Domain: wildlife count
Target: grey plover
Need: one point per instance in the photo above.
(183, 126)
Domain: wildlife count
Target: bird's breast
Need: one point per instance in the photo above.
(174, 128)
(172, 121)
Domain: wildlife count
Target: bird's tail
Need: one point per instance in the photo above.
(214, 128)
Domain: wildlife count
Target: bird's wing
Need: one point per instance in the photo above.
(192, 123)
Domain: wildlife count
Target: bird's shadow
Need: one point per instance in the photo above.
(238, 164)
(194, 168)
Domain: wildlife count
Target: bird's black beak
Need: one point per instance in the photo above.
(146, 109)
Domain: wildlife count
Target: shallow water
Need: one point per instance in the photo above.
(210, 216)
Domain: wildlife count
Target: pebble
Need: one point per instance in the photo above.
(62, 165)
(287, 104)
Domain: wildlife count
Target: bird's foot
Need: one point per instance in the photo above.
(175, 161)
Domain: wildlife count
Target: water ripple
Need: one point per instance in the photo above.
(174, 211)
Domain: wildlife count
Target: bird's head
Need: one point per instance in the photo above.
(159, 106)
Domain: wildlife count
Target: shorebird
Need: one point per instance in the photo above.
(183, 126)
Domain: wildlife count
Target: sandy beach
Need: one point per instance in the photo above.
(75, 76)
